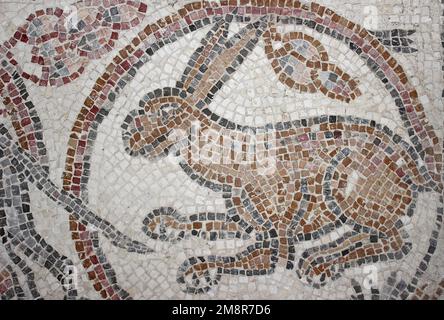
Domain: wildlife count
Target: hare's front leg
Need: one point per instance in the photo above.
(200, 274)
(166, 224)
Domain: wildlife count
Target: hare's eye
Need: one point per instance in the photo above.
(167, 111)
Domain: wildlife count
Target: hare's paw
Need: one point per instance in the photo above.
(316, 270)
(165, 224)
(198, 274)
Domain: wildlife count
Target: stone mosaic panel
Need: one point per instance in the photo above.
(236, 149)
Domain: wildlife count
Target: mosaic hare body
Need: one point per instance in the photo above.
(325, 172)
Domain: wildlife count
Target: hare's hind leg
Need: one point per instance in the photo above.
(375, 236)
(326, 262)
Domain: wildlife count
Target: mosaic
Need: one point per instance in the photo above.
(236, 149)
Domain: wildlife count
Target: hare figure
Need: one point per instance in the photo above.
(321, 173)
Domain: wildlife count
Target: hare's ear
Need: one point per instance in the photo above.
(212, 44)
(260, 26)
(219, 56)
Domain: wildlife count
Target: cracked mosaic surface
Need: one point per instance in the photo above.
(239, 149)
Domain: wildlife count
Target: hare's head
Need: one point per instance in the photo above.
(147, 130)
